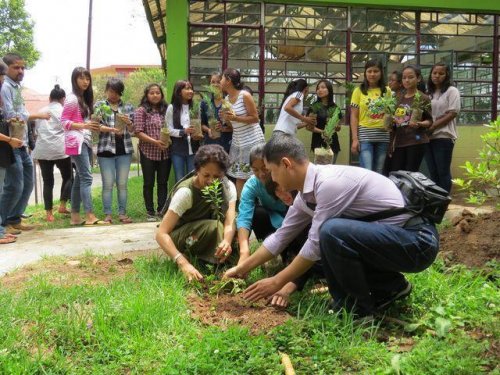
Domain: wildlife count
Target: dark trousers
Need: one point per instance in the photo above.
(363, 261)
(262, 227)
(47, 168)
(151, 169)
(407, 158)
(438, 158)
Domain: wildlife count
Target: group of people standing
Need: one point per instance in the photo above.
(407, 140)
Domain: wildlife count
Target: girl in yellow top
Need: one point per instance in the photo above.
(369, 138)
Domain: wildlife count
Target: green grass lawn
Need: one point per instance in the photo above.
(140, 324)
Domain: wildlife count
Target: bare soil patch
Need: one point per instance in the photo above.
(224, 310)
(473, 240)
(68, 271)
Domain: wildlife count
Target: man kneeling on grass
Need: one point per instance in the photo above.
(362, 261)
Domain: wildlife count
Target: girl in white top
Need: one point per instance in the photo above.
(246, 129)
(445, 101)
(184, 143)
(292, 108)
(49, 151)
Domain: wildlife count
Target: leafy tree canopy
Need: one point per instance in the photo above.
(16, 31)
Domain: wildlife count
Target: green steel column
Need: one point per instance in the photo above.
(177, 17)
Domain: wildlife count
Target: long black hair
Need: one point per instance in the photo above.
(162, 105)
(381, 82)
(329, 87)
(57, 93)
(177, 101)
(234, 76)
(85, 98)
(431, 87)
(294, 86)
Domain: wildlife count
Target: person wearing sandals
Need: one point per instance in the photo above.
(190, 227)
(78, 144)
(114, 152)
(7, 143)
(49, 152)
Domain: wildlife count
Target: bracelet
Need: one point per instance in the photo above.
(176, 258)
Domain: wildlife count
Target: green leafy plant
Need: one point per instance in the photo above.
(194, 110)
(213, 194)
(482, 180)
(390, 103)
(102, 109)
(18, 101)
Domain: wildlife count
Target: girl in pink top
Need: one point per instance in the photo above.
(78, 144)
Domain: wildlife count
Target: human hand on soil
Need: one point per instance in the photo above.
(223, 251)
(235, 273)
(190, 272)
(261, 289)
(281, 298)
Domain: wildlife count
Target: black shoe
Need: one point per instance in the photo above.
(384, 302)
(26, 216)
(349, 306)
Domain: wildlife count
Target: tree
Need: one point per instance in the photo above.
(134, 84)
(16, 31)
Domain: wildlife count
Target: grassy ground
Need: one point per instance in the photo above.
(140, 323)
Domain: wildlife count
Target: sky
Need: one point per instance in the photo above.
(120, 36)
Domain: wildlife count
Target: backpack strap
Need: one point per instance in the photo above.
(384, 214)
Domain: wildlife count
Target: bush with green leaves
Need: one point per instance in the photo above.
(482, 180)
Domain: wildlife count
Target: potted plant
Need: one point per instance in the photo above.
(123, 121)
(212, 121)
(418, 107)
(17, 127)
(324, 155)
(194, 116)
(390, 103)
(165, 136)
(101, 110)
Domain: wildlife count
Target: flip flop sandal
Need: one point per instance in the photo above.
(6, 240)
(126, 220)
(78, 224)
(97, 222)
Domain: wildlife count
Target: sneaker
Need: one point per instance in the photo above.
(383, 303)
(23, 227)
(151, 218)
(10, 230)
(26, 216)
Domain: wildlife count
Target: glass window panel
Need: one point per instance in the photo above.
(206, 12)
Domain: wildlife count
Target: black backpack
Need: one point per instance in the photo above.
(422, 197)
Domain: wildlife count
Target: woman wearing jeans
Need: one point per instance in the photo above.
(445, 101)
(49, 151)
(114, 153)
(78, 144)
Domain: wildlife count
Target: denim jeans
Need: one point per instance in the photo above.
(363, 261)
(182, 165)
(18, 186)
(372, 155)
(150, 169)
(2, 178)
(438, 158)
(113, 169)
(81, 191)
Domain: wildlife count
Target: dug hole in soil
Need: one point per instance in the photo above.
(472, 240)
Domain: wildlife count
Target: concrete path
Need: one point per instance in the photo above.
(103, 240)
